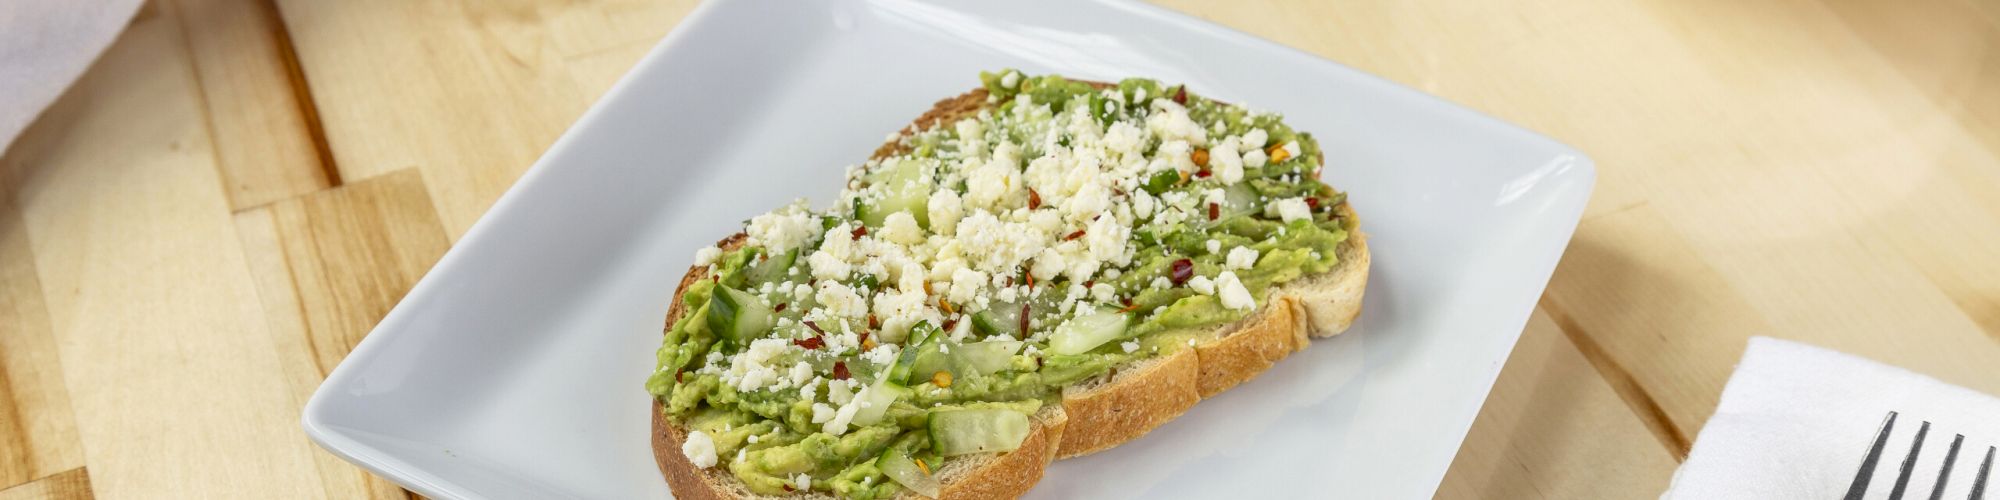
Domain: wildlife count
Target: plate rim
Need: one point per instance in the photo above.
(314, 419)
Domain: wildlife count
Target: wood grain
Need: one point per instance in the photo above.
(37, 429)
(180, 262)
(328, 266)
(73, 484)
(259, 115)
(1549, 389)
(508, 77)
(171, 375)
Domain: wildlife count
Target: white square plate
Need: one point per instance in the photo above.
(515, 368)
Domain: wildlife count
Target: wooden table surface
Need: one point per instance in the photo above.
(239, 189)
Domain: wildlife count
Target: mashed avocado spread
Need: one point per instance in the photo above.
(956, 286)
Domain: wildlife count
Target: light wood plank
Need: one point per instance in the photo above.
(176, 388)
(505, 75)
(1549, 390)
(263, 132)
(73, 484)
(37, 430)
(328, 266)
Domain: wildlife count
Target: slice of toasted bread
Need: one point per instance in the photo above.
(1098, 414)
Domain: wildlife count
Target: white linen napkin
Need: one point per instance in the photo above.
(44, 46)
(1796, 421)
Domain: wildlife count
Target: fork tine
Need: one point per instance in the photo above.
(1909, 462)
(1944, 474)
(1979, 482)
(1867, 472)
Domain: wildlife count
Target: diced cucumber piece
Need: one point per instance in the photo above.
(773, 269)
(960, 432)
(879, 397)
(1003, 318)
(982, 358)
(929, 362)
(737, 315)
(920, 335)
(900, 468)
(1087, 330)
(1238, 199)
(902, 189)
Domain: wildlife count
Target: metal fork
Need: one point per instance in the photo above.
(1867, 472)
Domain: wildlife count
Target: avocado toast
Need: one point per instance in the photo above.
(1037, 269)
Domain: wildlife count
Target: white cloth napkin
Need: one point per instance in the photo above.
(1796, 421)
(44, 46)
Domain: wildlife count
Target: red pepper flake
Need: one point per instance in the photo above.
(810, 343)
(1089, 283)
(1129, 305)
(860, 231)
(1024, 327)
(873, 323)
(788, 488)
(1312, 202)
(815, 328)
(950, 323)
(1075, 235)
(840, 371)
(1201, 174)
(862, 338)
(780, 307)
(678, 374)
(1180, 95)
(1031, 279)
(945, 306)
(1181, 271)
(1034, 199)
(1214, 211)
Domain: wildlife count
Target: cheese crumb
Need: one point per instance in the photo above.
(1214, 246)
(706, 255)
(901, 228)
(1291, 209)
(1129, 346)
(1202, 285)
(700, 449)
(1232, 292)
(1241, 258)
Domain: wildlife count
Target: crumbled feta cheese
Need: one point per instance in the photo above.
(1256, 138)
(706, 255)
(802, 482)
(837, 392)
(1255, 158)
(801, 373)
(821, 413)
(901, 228)
(840, 301)
(1103, 292)
(965, 283)
(1011, 79)
(1241, 258)
(1202, 285)
(1292, 148)
(1214, 246)
(1232, 292)
(752, 439)
(1226, 162)
(944, 211)
(1129, 346)
(1291, 209)
(699, 449)
(784, 229)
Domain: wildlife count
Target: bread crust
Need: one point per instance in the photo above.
(1123, 405)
